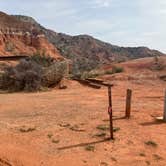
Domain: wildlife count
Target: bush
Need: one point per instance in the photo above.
(9, 47)
(42, 59)
(108, 72)
(24, 76)
(92, 74)
(158, 64)
(54, 74)
(81, 65)
(114, 70)
(33, 73)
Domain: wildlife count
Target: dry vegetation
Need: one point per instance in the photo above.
(33, 74)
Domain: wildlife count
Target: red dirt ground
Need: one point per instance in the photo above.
(52, 128)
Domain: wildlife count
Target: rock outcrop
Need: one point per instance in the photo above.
(23, 38)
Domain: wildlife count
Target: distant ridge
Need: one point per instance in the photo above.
(88, 52)
(84, 51)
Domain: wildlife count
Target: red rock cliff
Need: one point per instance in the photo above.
(16, 39)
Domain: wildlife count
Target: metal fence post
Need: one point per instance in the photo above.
(110, 111)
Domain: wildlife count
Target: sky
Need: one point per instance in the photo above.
(119, 22)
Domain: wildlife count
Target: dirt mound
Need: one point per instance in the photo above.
(139, 70)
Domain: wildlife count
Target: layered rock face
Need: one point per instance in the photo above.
(20, 38)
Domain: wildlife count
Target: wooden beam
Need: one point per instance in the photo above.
(94, 80)
(88, 83)
(12, 58)
(128, 103)
(99, 82)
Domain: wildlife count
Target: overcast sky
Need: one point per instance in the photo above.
(120, 22)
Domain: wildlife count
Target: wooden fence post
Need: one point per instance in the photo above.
(164, 116)
(110, 111)
(128, 103)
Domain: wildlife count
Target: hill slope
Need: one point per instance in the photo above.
(85, 52)
(88, 52)
(23, 38)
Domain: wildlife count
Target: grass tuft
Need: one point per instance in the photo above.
(151, 143)
(103, 127)
(26, 130)
(100, 134)
(142, 154)
(115, 129)
(90, 148)
(157, 157)
(55, 141)
(49, 135)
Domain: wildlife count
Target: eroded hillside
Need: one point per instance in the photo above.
(20, 38)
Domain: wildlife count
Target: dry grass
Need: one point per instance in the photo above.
(151, 143)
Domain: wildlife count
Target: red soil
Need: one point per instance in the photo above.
(34, 126)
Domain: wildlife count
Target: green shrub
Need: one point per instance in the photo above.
(81, 65)
(92, 74)
(108, 72)
(90, 148)
(158, 64)
(9, 47)
(115, 69)
(42, 59)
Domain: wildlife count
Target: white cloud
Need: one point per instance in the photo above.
(153, 7)
(94, 26)
(150, 34)
(121, 22)
(100, 3)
